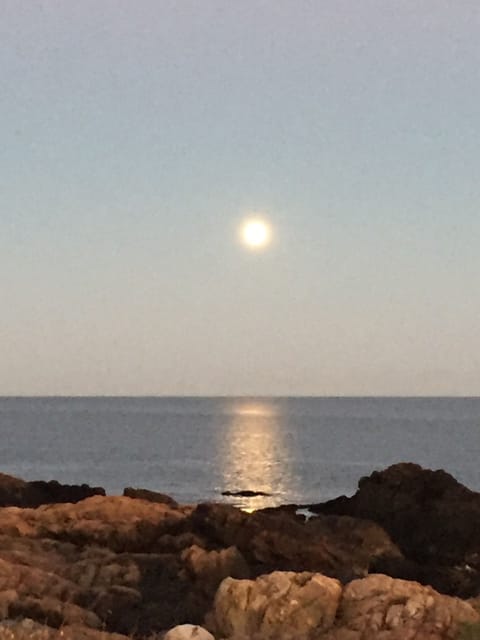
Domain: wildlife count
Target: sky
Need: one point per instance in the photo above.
(136, 137)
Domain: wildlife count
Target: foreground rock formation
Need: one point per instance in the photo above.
(308, 605)
(140, 564)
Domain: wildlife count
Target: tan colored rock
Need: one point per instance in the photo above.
(282, 604)
(381, 608)
(307, 606)
(28, 629)
(116, 522)
(209, 568)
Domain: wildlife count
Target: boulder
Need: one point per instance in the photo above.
(432, 518)
(380, 607)
(309, 606)
(188, 632)
(280, 540)
(280, 605)
(209, 568)
(428, 513)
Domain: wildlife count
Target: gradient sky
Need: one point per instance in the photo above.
(137, 135)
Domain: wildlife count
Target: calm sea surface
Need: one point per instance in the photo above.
(296, 449)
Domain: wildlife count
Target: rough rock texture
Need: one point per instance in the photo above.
(307, 606)
(340, 547)
(434, 520)
(140, 565)
(278, 605)
(118, 523)
(19, 493)
(136, 566)
(28, 629)
(381, 607)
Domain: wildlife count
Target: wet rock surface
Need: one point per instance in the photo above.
(140, 564)
(245, 493)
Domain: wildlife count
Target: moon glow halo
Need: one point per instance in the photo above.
(255, 233)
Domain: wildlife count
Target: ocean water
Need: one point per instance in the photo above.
(294, 449)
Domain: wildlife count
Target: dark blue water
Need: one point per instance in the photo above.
(296, 449)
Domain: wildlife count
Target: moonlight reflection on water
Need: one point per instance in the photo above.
(255, 455)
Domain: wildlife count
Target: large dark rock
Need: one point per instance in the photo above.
(19, 493)
(434, 520)
(280, 540)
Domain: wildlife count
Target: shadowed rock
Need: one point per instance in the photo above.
(19, 493)
(434, 520)
(150, 496)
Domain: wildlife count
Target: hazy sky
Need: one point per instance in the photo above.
(135, 136)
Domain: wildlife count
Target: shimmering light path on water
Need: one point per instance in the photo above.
(295, 449)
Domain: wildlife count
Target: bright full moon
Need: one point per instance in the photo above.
(256, 233)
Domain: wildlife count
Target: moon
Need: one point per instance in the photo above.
(256, 233)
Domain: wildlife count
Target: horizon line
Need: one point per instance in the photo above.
(233, 396)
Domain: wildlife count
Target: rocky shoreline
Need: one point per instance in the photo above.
(398, 560)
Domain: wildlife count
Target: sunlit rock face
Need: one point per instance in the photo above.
(277, 605)
(288, 606)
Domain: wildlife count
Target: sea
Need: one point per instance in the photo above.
(294, 450)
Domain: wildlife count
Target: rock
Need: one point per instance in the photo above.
(188, 632)
(282, 605)
(28, 629)
(19, 493)
(149, 496)
(246, 493)
(116, 522)
(380, 607)
(334, 546)
(287, 606)
(432, 518)
(209, 568)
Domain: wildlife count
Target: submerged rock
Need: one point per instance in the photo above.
(245, 493)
